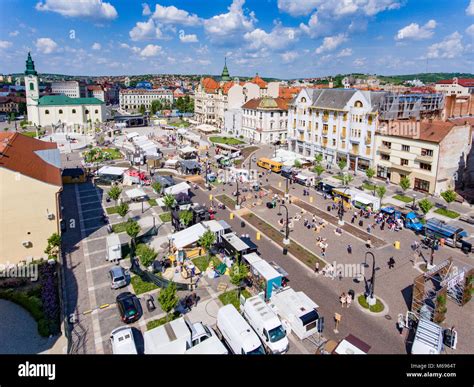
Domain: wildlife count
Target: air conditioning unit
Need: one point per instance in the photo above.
(50, 216)
(26, 243)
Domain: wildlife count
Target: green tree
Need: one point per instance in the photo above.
(157, 187)
(142, 110)
(186, 217)
(425, 205)
(381, 191)
(342, 164)
(238, 272)
(449, 196)
(146, 254)
(54, 241)
(133, 229)
(297, 164)
(114, 192)
(370, 173)
(404, 183)
(122, 209)
(156, 106)
(207, 240)
(318, 158)
(347, 178)
(169, 201)
(319, 169)
(168, 299)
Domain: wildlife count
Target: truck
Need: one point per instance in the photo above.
(410, 219)
(180, 336)
(428, 338)
(237, 333)
(451, 234)
(297, 311)
(266, 325)
(114, 248)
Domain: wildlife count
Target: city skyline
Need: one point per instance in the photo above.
(276, 38)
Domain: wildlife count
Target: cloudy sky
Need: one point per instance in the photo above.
(276, 38)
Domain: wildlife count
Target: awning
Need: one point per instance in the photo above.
(114, 171)
(135, 193)
(178, 188)
(188, 149)
(362, 200)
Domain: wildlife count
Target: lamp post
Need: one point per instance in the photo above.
(413, 206)
(237, 194)
(286, 241)
(371, 300)
(340, 210)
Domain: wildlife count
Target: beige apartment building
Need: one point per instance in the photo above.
(30, 184)
(432, 154)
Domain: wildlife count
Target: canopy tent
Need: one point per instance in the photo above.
(132, 135)
(176, 189)
(191, 235)
(135, 193)
(188, 149)
(111, 171)
(206, 128)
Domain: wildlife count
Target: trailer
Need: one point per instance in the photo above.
(428, 338)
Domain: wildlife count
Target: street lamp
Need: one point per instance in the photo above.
(286, 241)
(413, 206)
(340, 210)
(371, 300)
(237, 194)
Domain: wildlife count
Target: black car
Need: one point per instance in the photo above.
(128, 306)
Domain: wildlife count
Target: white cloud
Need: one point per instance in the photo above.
(146, 9)
(145, 31)
(289, 56)
(314, 28)
(151, 50)
(414, 31)
(14, 33)
(470, 8)
(5, 44)
(337, 8)
(93, 9)
(470, 30)
(96, 46)
(345, 52)
(134, 49)
(330, 43)
(359, 62)
(173, 15)
(450, 47)
(191, 38)
(279, 38)
(46, 45)
(228, 24)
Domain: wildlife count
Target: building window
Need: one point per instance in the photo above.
(73, 111)
(32, 86)
(385, 157)
(60, 111)
(87, 111)
(382, 172)
(333, 142)
(427, 152)
(422, 185)
(96, 111)
(387, 144)
(405, 148)
(403, 162)
(46, 112)
(358, 104)
(426, 167)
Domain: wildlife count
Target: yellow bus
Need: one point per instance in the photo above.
(274, 166)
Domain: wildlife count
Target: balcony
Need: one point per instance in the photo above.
(403, 168)
(355, 139)
(424, 159)
(384, 149)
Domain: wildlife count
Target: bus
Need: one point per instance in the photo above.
(274, 166)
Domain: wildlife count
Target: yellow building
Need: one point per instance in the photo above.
(30, 184)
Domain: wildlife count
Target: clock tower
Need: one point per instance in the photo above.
(32, 91)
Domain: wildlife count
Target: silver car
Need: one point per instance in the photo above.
(117, 277)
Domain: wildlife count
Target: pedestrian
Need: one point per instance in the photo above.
(316, 268)
(353, 219)
(349, 249)
(391, 263)
(369, 243)
(369, 228)
(400, 323)
(348, 300)
(343, 299)
(195, 299)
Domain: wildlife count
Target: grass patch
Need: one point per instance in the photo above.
(294, 248)
(111, 210)
(227, 201)
(119, 227)
(140, 286)
(403, 198)
(29, 134)
(377, 308)
(448, 213)
(225, 140)
(338, 177)
(152, 202)
(202, 264)
(113, 153)
(232, 297)
(369, 187)
(165, 217)
(180, 124)
(161, 321)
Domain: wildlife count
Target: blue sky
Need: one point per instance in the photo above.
(276, 38)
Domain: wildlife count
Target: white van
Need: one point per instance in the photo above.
(266, 324)
(122, 341)
(237, 333)
(114, 248)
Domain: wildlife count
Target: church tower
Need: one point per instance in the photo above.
(32, 91)
(225, 72)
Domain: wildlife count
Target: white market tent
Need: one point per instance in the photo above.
(188, 236)
(182, 131)
(111, 171)
(135, 193)
(182, 187)
(206, 128)
(188, 149)
(132, 135)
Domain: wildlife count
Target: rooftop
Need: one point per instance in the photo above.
(430, 131)
(60, 100)
(267, 103)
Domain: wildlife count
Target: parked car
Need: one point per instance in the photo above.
(122, 341)
(129, 307)
(117, 277)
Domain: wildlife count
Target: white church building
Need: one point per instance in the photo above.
(59, 110)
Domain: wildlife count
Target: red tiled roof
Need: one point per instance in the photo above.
(17, 153)
(466, 82)
(288, 92)
(210, 84)
(434, 131)
(262, 103)
(259, 81)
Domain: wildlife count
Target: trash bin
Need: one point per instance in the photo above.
(285, 251)
(351, 293)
